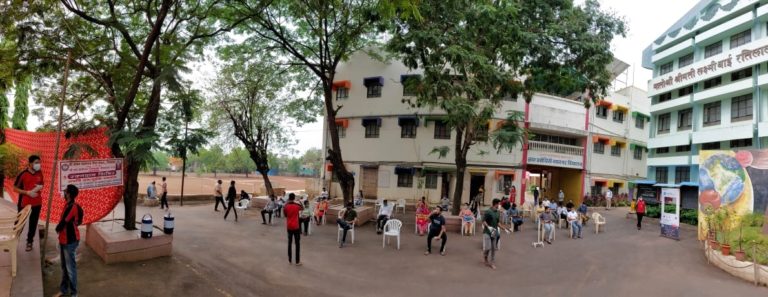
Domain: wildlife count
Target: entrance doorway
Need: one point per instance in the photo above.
(370, 184)
(445, 186)
(475, 182)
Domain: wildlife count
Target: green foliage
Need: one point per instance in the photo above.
(441, 151)
(76, 150)
(11, 158)
(211, 160)
(510, 134)
(20, 104)
(689, 216)
(653, 211)
(4, 108)
(239, 161)
(161, 160)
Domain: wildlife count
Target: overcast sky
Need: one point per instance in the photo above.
(646, 21)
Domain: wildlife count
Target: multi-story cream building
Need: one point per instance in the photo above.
(388, 145)
(708, 87)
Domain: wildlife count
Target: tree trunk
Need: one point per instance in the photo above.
(154, 171)
(461, 167)
(131, 194)
(183, 163)
(346, 179)
(267, 183)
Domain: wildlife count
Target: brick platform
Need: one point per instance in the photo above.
(120, 245)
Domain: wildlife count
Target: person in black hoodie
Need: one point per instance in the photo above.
(69, 239)
(231, 196)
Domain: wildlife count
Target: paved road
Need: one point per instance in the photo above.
(213, 257)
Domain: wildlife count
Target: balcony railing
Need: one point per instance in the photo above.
(555, 148)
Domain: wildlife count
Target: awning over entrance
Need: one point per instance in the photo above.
(666, 185)
(689, 184)
(642, 182)
(477, 170)
(500, 173)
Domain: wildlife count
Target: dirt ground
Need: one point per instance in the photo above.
(214, 257)
(203, 184)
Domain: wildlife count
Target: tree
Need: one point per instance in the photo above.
(239, 161)
(126, 53)
(185, 109)
(474, 53)
(213, 159)
(314, 159)
(20, 104)
(161, 161)
(318, 35)
(253, 102)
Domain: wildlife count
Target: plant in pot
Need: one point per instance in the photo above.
(713, 220)
(708, 216)
(743, 221)
(725, 228)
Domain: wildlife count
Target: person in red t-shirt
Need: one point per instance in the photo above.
(28, 186)
(291, 211)
(640, 211)
(69, 239)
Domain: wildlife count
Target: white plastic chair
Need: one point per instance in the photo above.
(341, 230)
(391, 229)
(243, 205)
(599, 221)
(379, 202)
(10, 233)
(400, 204)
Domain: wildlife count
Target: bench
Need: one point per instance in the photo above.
(10, 234)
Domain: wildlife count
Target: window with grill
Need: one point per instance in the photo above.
(442, 131)
(685, 60)
(740, 39)
(405, 180)
(371, 128)
(685, 119)
(640, 122)
(408, 129)
(682, 174)
(342, 93)
(341, 131)
(685, 91)
(616, 151)
(712, 114)
(666, 68)
(741, 108)
(710, 146)
(713, 49)
(598, 148)
(746, 142)
(431, 181)
(637, 154)
(554, 139)
(664, 120)
(601, 112)
(682, 148)
(665, 97)
(661, 174)
(712, 82)
(504, 182)
(618, 116)
(662, 150)
(374, 91)
(741, 74)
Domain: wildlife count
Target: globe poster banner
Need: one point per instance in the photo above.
(670, 213)
(91, 174)
(733, 179)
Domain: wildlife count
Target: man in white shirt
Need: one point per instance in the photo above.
(573, 219)
(384, 213)
(608, 197)
(561, 196)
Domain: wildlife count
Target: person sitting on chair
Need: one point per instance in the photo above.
(445, 203)
(320, 210)
(347, 220)
(467, 218)
(243, 196)
(268, 209)
(547, 222)
(384, 213)
(517, 219)
(573, 220)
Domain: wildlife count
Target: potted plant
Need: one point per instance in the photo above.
(725, 216)
(743, 221)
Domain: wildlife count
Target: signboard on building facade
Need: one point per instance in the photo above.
(91, 174)
(708, 68)
(670, 213)
(554, 159)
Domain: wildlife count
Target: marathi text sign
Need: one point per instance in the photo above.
(91, 174)
(670, 221)
(554, 159)
(708, 68)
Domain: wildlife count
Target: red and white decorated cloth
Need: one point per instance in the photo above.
(96, 203)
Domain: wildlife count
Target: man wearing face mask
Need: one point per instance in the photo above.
(28, 185)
